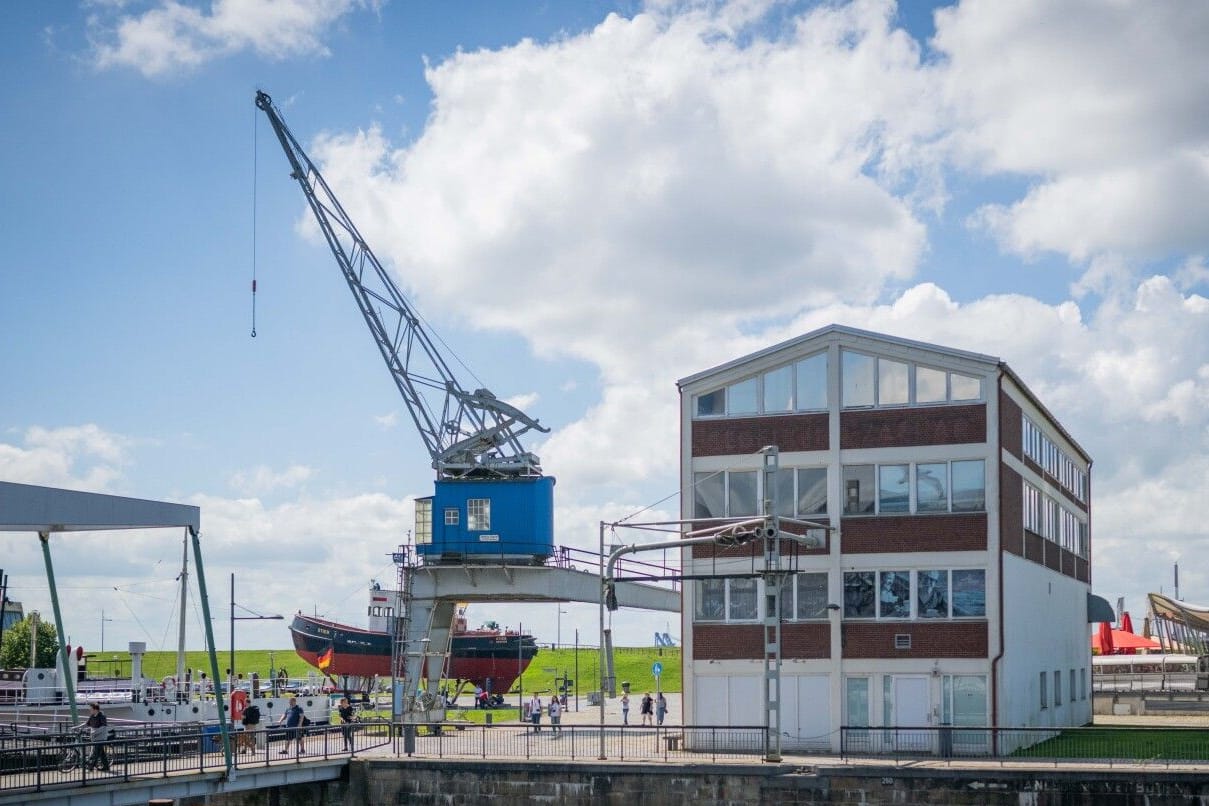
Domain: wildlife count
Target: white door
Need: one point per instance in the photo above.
(911, 711)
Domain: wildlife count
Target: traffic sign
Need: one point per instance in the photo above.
(656, 668)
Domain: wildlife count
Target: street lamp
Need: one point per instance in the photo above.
(234, 618)
(558, 635)
(103, 620)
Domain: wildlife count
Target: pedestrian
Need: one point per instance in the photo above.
(648, 709)
(292, 719)
(478, 696)
(250, 739)
(535, 713)
(99, 724)
(625, 708)
(660, 708)
(556, 715)
(347, 717)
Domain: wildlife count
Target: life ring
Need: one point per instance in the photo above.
(169, 684)
(239, 702)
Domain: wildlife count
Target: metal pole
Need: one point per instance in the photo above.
(231, 662)
(3, 603)
(223, 727)
(576, 670)
(520, 681)
(68, 678)
(103, 620)
(600, 605)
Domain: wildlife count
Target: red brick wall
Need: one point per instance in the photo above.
(964, 532)
(1011, 510)
(1011, 426)
(789, 432)
(727, 641)
(802, 640)
(902, 428)
(942, 639)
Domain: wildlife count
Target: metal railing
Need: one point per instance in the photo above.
(1118, 745)
(582, 742)
(35, 760)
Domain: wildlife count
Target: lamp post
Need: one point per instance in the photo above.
(235, 618)
(103, 620)
(558, 632)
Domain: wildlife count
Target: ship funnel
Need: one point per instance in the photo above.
(137, 649)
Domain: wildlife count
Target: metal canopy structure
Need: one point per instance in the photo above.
(48, 510)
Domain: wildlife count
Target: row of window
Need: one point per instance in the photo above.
(957, 486)
(478, 517)
(801, 386)
(963, 702)
(866, 381)
(1042, 450)
(916, 487)
(898, 594)
(1080, 681)
(1050, 519)
(924, 594)
(872, 381)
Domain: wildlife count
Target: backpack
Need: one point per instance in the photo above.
(251, 715)
(306, 720)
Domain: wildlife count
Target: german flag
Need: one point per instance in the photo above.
(325, 659)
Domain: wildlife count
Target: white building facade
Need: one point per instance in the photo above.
(954, 582)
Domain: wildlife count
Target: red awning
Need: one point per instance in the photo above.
(1119, 640)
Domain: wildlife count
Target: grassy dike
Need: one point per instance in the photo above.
(631, 664)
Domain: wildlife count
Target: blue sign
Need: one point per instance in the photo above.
(656, 668)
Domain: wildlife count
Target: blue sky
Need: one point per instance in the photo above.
(588, 201)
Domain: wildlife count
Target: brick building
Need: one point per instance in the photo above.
(954, 585)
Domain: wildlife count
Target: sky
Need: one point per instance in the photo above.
(587, 201)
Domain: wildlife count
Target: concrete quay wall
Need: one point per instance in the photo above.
(450, 782)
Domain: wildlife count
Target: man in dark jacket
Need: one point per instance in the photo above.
(293, 721)
(99, 724)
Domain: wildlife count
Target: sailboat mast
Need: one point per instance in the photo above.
(180, 645)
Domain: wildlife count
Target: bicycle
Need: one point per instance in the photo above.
(75, 744)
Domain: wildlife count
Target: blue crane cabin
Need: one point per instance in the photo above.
(487, 520)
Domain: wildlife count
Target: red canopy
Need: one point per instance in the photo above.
(1118, 640)
(1126, 626)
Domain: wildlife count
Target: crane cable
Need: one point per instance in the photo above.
(255, 127)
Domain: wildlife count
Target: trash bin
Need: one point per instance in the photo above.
(625, 686)
(211, 739)
(488, 718)
(409, 739)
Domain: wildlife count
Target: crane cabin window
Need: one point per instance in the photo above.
(423, 521)
(478, 514)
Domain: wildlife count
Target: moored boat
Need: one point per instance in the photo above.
(488, 657)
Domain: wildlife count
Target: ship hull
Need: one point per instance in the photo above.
(491, 660)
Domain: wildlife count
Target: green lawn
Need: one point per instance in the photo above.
(632, 664)
(1123, 743)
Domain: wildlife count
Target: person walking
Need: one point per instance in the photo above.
(648, 709)
(660, 708)
(347, 717)
(556, 715)
(535, 713)
(99, 724)
(292, 719)
(250, 737)
(625, 708)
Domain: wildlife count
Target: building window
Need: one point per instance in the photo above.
(893, 388)
(709, 495)
(726, 600)
(930, 385)
(478, 514)
(1083, 683)
(969, 593)
(1073, 691)
(1057, 688)
(805, 597)
(452, 516)
(736, 493)
(423, 529)
(894, 488)
(812, 491)
(1044, 694)
(778, 390)
(811, 383)
(741, 397)
(964, 704)
(858, 379)
(860, 595)
(933, 594)
(741, 495)
(711, 600)
(858, 489)
(712, 404)
(958, 486)
(894, 598)
(856, 701)
(742, 603)
(963, 387)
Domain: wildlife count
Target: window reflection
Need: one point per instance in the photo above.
(969, 593)
(933, 594)
(858, 382)
(931, 489)
(894, 599)
(893, 491)
(859, 595)
(892, 388)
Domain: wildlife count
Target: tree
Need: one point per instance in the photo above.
(14, 652)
